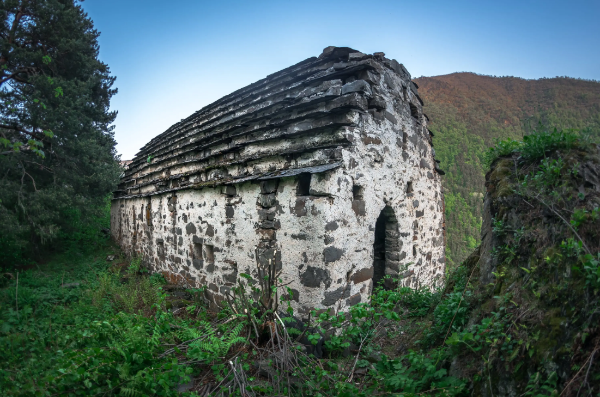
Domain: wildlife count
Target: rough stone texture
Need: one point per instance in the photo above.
(296, 169)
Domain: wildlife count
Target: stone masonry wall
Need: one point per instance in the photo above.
(309, 201)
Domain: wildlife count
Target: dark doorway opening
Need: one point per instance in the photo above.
(386, 247)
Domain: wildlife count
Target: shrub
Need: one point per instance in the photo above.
(535, 145)
(538, 144)
(502, 148)
(417, 372)
(418, 301)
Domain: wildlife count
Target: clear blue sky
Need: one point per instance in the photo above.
(171, 58)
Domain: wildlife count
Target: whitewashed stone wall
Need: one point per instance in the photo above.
(322, 235)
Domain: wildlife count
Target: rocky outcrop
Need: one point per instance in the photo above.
(534, 292)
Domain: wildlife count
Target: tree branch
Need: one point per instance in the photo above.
(34, 134)
(26, 173)
(13, 29)
(14, 76)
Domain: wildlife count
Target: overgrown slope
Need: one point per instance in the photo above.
(470, 112)
(526, 323)
(519, 317)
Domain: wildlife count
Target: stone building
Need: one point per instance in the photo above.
(325, 168)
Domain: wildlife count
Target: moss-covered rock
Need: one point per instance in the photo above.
(533, 290)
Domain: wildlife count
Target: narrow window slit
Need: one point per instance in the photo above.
(209, 253)
(357, 192)
(304, 184)
(414, 111)
(197, 251)
(160, 249)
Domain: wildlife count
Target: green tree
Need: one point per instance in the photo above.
(57, 150)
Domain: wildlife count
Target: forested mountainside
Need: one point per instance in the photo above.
(469, 112)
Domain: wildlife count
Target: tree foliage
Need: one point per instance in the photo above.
(57, 150)
(470, 113)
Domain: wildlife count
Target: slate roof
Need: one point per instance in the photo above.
(296, 110)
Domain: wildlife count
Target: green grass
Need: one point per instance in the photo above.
(100, 337)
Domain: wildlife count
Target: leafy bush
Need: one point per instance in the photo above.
(418, 301)
(534, 146)
(502, 148)
(138, 296)
(537, 145)
(207, 345)
(416, 372)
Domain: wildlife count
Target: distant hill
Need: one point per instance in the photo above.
(469, 112)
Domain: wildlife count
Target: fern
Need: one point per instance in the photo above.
(154, 339)
(135, 384)
(129, 392)
(211, 346)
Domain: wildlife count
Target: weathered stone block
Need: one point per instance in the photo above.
(357, 56)
(358, 206)
(330, 226)
(230, 277)
(266, 234)
(229, 190)
(377, 102)
(267, 225)
(354, 299)
(313, 277)
(198, 263)
(392, 256)
(357, 86)
(190, 228)
(390, 117)
(362, 275)
(331, 297)
(266, 215)
(269, 186)
(332, 254)
(267, 200)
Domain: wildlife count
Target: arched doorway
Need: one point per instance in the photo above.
(386, 245)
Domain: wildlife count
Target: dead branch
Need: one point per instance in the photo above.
(582, 367)
(351, 375)
(587, 373)
(566, 223)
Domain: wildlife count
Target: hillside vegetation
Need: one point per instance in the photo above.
(519, 317)
(469, 113)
